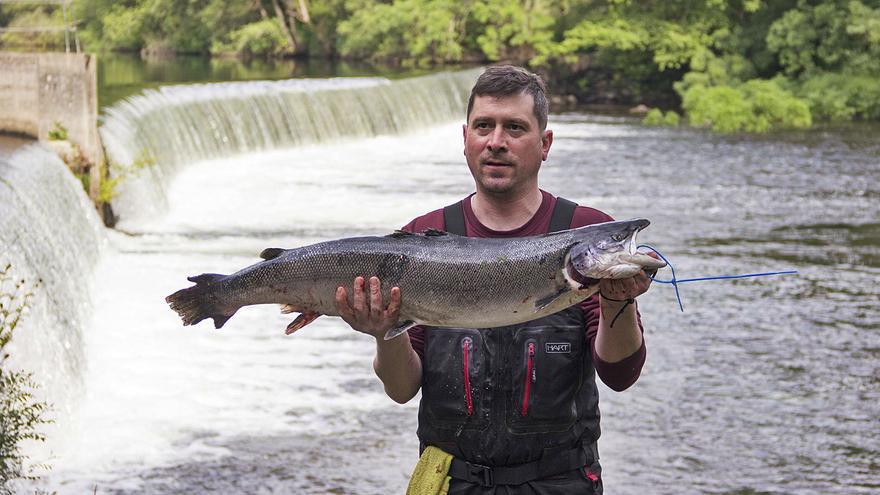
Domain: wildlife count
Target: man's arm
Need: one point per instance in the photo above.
(396, 363)
(618, 348)
(622, 339)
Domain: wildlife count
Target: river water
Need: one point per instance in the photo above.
(761, 386)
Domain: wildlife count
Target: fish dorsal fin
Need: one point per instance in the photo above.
(547, 301)
(398, 234)
(206, 278)
(271, 253)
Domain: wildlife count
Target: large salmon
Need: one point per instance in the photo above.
(445, 280)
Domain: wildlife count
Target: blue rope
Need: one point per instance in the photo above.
(675, 281)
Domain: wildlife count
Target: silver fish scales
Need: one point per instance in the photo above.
(445, 280)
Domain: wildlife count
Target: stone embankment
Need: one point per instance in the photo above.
(53, 97)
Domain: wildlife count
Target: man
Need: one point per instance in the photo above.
(517, 407)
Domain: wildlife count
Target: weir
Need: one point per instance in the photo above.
(52, 237)
(149, 137)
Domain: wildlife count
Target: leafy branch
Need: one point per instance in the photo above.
(21, 413)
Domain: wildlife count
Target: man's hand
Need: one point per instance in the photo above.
(619, 290)
(396, 363)
(367, 313)
(624, 288)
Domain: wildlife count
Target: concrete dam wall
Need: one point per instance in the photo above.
(41, 90)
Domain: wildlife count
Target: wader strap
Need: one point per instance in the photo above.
(453, 217)
(563, 212)
(548, 465)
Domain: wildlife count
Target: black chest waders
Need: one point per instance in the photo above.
(514, 405)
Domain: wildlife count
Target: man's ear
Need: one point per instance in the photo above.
(546, 142)
(464, 129)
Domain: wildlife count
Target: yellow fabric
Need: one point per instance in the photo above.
(430, 477)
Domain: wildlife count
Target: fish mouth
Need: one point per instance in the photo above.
(636, 257)
(615, 257)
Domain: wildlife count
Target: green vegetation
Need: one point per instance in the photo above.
(730, 65)
(58, 132)
(109, 185)
(20, 414)
(655, 116)
(754, 106)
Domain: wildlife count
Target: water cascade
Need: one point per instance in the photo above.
(51, 235)
(179, 125)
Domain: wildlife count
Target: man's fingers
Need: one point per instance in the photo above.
(342, 304)
(624, 288)
(375, 298)
(394, 305)
(359, 296)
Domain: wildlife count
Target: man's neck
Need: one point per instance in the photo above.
(506, 212)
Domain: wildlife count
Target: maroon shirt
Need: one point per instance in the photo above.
(618, 376)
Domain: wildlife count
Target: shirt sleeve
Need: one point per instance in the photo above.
(622, 374)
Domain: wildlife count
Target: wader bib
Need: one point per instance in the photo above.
(517, 406)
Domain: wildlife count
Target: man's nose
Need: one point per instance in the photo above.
(497, 140)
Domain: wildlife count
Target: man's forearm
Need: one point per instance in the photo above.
(399, 368)
(621, 341)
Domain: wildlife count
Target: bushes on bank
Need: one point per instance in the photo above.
(655, 116)
(258, 39)
(21, 414)
(755, 106)
(841, 97)
(719, 55)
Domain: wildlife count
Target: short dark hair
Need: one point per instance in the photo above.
(509, 80)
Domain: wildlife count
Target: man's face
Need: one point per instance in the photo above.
(504, 145)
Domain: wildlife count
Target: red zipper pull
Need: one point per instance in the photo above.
(531, 377)
(465, 350)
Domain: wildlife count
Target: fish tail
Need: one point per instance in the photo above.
(195, 303)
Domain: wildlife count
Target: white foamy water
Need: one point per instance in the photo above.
(159, 394)
(175, 126)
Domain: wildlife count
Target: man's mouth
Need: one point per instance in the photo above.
(495, 163)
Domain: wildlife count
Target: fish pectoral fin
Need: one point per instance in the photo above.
(547, 301)
(271, 253)
(400, 329)
(286, 309)
(302, 320)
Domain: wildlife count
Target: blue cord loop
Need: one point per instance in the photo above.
(675, 280)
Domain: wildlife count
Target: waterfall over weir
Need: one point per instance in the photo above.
(180, 125)
(51, 235)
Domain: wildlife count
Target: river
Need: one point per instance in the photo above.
(761, 386)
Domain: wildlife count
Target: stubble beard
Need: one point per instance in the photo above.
(496, 184)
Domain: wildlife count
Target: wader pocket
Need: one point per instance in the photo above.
(593, 474)
(546, 378)
(455, 378)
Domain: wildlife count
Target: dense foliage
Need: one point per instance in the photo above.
(20, 413)
(731, 65)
